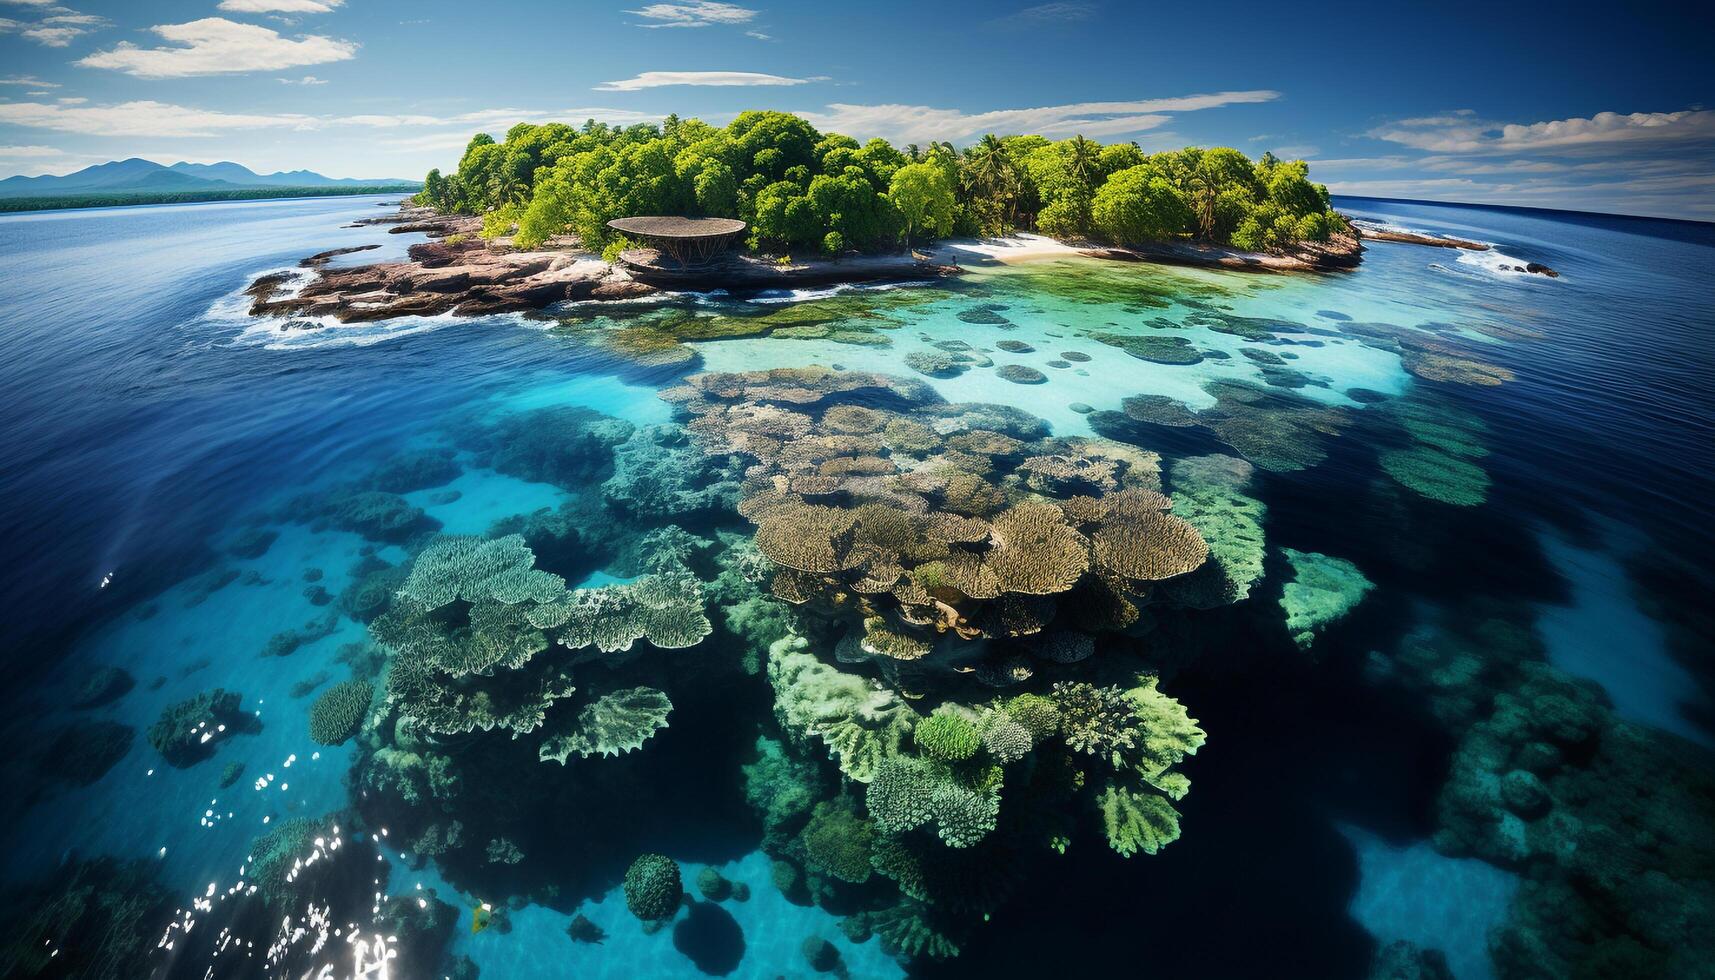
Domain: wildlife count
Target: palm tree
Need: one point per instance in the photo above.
(993, 174)
(1082, 158)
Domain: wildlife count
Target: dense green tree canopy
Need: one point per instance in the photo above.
(800, 189)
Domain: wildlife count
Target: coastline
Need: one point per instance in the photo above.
(460, 273)
(90, 202)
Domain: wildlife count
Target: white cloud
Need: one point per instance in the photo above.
(71, 100)
(59, 28)
(1463, 132)
(215, 45)
(696, 13)
(29, 3)
(30, 81)
(924, 124)
(29, 152)
(657, 79)
(279, 6)
(759, 35)
(140, 119)
(306, 80)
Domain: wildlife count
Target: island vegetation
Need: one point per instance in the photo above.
(800, 189)
(133, 198)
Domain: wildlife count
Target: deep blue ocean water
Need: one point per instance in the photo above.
(147, 422)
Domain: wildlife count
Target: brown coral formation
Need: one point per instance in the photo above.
(918, 521)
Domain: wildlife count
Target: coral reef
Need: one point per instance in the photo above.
(1275, 429)
(932, 523)
(83, 753)
(566, 445)
(660, 473)
(713, 885)
(1208, 493)
(1323, 589)
(414, 469)
(252, 542)
(653, 888)
(613, 724)
(1442, 443)
(103, 685)
(340, 711)
(189, 731)
(98, 920)
(1157, 349)
(861, 722)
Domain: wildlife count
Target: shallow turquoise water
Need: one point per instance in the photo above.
(172, 423)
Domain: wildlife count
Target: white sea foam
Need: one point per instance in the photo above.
(1498, 263)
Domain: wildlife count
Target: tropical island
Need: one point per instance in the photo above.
(801, 190)
(525, 222)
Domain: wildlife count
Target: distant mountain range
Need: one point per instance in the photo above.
(143, 176)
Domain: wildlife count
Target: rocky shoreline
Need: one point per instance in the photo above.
(1437, 241)
(460, 273)
(456, 273)
(1340, 253)
(1412, 238)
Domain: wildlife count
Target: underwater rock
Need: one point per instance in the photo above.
(582, 930)
(1019, 374)
(1014, 347)
(230, 774)
(414, 469)
(303, 688)
(1322, 591)
(569, 446)
(713, 885)
(1261, 356)
(938, 364)
(379, 516)
(252, 542)
(1159, 410)
(986, 314)
(104, 685)
(189, 731)
(1158, 350)
(287, 642)
(822, 955)
(81, 754)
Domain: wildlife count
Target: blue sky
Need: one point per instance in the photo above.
(1571, 105)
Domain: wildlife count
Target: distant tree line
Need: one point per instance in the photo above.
(801, 189)
(131, 198)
